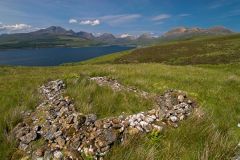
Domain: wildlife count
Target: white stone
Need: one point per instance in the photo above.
(238, 125)
(139, 128)
(149, 119)
(143, 123)
(180, 98)
(90, 149)
(173, 119)
(132, 124)
(181, 117)
(58, 154)
(134, 117)
(153, 117)
(159, 128)
(121, 129)
(130, 120)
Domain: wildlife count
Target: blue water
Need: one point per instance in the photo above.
(54, 56)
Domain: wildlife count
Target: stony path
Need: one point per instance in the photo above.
(66, 134)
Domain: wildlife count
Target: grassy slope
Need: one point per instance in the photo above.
(215, 87)
(223, 49)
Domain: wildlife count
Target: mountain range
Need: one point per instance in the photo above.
(56, 36)
(183, 32)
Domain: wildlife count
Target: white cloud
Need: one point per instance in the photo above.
(184, 15)
(119, 19)
(72, 21)
(90, 22)
(221, 3)
(14, 28)
(109, 19)
(214, 6)
(124, 35)
(161, 17)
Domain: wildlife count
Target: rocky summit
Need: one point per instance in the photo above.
(68, 134)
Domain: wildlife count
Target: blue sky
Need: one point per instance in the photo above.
(118, 16)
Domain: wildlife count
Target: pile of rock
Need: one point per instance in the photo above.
(116, 86)
(67, 134)
(173, 104)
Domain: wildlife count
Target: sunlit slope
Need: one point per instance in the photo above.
(212, 50)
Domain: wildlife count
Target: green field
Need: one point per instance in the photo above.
(215, 88)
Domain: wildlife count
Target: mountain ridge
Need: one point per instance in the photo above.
(193, 31)
(56, 36)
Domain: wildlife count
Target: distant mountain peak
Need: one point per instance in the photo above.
(85, 35)
(106, 37)
(54, 30)
(145, 36)
(220, 29)
(183, 31)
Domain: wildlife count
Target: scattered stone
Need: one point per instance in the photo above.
(60, 141)
(47, 155)
(91, 118)
(28, 137)
(180, 98)
(69, 119)
(110, 136)
(173, 119)
(57, 134)
(58, 155)
(133, 131)
(64, 130)
(98, 123)
(79, 120)
(158, 128)
(39, 152)
(22, 146)
(20, 132)
(116, 86)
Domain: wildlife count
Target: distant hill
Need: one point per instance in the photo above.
(208, 50)
(56, 36)
(183, 32)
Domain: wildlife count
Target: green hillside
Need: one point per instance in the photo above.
(214, 87)
(215, 50)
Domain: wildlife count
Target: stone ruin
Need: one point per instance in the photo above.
(68, 134)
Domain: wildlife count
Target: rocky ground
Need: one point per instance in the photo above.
(68, 134)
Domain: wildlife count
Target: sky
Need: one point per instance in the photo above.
(119, 17)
